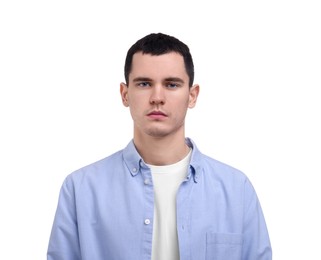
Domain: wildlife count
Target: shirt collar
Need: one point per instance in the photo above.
(134, 161)
(132, 158)
(196, 160)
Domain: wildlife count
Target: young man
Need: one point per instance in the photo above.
(160, 197)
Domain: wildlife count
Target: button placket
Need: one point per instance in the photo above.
(148, 210)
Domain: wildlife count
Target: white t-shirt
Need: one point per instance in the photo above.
(166, 181)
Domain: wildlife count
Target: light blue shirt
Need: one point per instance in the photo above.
(105, 212)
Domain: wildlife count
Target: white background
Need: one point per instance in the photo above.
(258, 64)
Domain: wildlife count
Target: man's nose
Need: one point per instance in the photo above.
(157, 95)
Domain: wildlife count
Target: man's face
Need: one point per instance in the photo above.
(158, 94)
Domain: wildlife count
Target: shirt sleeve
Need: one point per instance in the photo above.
(64, 240)
(256, 244)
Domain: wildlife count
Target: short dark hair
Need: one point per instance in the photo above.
(158, 44)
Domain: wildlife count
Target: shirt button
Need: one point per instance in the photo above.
(146, 181)
(147, 221)
(134, 169)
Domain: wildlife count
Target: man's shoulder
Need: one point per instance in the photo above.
(221, 170)
(210, 167)
(98, 167)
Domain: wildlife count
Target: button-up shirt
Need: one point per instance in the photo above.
(105, 212)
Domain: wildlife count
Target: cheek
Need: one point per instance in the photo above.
(136, 108)
(179, 109)
(135, 98)
(183, 104)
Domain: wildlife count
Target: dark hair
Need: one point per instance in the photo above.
(158, 44)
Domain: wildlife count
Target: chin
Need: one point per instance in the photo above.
(157, 133)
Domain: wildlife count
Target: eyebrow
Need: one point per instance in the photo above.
(174, 79)
(138, 79)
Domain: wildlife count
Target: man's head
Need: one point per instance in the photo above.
(158, 90)
(158, 44)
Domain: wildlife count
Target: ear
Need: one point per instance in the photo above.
(193, 94)
(124, 94)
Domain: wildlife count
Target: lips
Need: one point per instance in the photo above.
(156, 114)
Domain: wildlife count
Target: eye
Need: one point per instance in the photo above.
(143, 84)
(172, 85)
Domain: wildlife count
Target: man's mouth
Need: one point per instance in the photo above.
(156, 114)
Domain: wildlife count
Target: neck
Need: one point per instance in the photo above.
(161, 150)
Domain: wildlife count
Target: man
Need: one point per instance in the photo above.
(160, 197)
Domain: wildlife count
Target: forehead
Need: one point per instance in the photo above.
(169, 64)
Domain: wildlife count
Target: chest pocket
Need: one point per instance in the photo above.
(221, 246)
